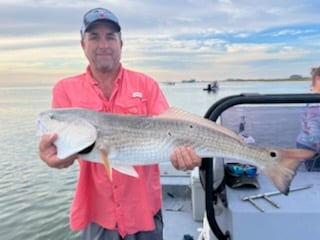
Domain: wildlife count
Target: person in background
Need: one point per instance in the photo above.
(309, 136)
(312, 70)
(126, 208)
(242, 124)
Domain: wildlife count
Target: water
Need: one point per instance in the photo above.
(191, 97)
(35, 199)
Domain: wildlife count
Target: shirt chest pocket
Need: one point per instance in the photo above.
(134, 106)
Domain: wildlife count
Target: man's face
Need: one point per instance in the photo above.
(102, 47)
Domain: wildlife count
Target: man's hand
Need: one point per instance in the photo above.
(48, 153)
(184, 158)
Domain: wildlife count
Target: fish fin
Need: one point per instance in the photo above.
(126, 169)
(282, 171)
(107, 164)
(179, 114)
(74, 137)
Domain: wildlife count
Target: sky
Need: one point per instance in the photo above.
(168, 40)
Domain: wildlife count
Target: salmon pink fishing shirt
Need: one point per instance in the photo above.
(126, 204)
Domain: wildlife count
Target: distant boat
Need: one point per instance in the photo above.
(213, 87)
(171, 83)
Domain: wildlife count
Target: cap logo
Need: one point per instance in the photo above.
(101, 14)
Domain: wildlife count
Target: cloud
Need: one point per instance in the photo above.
(166, 39)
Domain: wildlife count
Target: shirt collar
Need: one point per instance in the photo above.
(92, 81)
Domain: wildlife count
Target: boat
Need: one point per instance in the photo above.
(170, 83)
(199, 205)
(212, 87)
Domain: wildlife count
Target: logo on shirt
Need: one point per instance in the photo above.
(137, 95)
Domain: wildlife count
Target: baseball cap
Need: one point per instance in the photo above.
(99, 14)
(241, 175)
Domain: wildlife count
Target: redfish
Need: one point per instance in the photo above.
(124, 141)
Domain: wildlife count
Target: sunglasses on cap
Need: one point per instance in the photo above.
(238, 169)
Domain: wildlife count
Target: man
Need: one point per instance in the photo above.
(126, 208)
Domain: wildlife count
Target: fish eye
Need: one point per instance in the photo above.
(273, 154)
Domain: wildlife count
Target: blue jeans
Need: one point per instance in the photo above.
(311, 164)
(95, 232)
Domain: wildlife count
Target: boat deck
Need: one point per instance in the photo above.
(295, 218)
(179, 214)
(183, 214)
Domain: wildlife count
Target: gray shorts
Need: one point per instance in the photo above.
(95, 232)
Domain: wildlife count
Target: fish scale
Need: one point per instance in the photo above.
(150, 146)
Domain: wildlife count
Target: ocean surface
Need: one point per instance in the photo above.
(35, 199)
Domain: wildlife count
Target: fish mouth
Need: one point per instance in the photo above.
(87, 149)
(41, 129)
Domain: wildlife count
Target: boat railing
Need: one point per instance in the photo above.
(215, 112)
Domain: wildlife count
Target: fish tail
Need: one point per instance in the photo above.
(282, 171)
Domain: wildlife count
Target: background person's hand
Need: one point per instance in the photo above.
(185, 158)
(48, 153)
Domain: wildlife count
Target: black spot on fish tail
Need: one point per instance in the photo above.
(87, 149)
(284, 166)
(273, 154)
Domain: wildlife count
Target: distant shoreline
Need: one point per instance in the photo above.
(270, 80)
(242, 80)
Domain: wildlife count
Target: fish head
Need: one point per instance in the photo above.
(75, 133)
